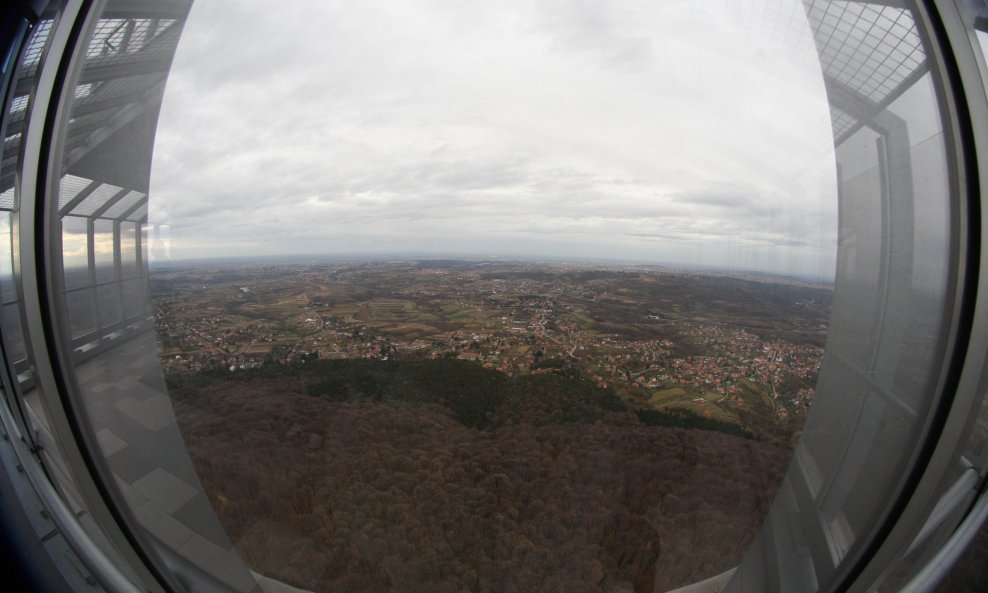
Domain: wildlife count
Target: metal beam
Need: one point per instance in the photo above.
(120, 118)
(889, 3)
(79, 197)
(96, 72)
(81, 108)
(862, 108)
(8, 168)
(110, 203)
(130, 211)
(15, 126)
(6, 181)
(141, 9)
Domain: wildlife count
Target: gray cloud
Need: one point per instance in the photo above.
(608, 129)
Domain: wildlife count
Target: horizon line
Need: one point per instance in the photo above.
(504, 259)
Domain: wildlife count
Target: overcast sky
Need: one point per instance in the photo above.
(686, 132)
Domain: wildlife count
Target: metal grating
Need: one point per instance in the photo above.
(95, 200)
(868, 48)
(841, 122)
(7, 199)
(9, 161)
(32, 55)
(123, 65)
(107, 38)
(164, 24)
(776, 22)
(776, 27)
(90, 119)
(119, 87)
(126, 203)
(123, 36)
(140, 214)
(143, 31)
(18, 104)
(17, 116)
(83, 90)
(11, 144)
(11, 148)
(110, 43)
(69, 187)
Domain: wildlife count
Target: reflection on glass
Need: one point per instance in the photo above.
(110, 309)
(103, 244)
(134, 294)
(8, 292)
(13, 333)
(128, 249)
(75, 252)
(143, 247)
(82, 312)
(892, 304)
(117, 387)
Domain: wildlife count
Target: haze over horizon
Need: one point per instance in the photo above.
(589, 263)
(681, 134)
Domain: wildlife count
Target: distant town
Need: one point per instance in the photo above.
(738, 350)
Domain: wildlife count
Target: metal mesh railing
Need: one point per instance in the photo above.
(870, 49)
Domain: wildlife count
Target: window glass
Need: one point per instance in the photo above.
(110, 307)
(13, 334)
(144, 253)
(8, 292)
(82, 312)
(38, 409)
(858, 154)
(892, 300)
(103, 250)
(556, 312)
(75, 252)
(117, 381)
(128, 249)
(134, 297)
(970, 572)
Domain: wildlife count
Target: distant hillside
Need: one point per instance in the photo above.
(474, 396)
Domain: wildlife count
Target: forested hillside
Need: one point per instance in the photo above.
(380, 478)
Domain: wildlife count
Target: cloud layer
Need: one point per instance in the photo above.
(672, 132)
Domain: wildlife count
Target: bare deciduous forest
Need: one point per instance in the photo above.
(381, 494)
